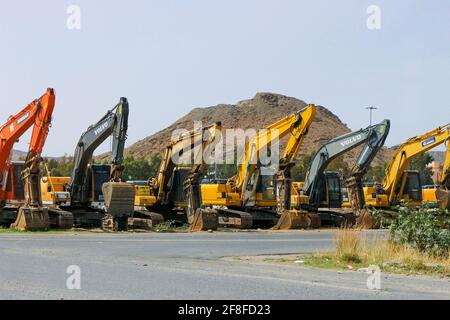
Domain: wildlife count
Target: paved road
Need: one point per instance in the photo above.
(186, 266)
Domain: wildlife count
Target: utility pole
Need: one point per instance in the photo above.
(371, 110)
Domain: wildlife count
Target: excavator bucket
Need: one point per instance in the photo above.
(119, 203)
(444, 198)
(293, 219)
(32, 219)
(365, 220)
(204, 220)
(119, 198)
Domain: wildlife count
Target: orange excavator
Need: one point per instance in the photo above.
(32, 215)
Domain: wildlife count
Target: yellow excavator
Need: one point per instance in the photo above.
(174, 187)
(257, 196)
(401, 184)
(53, 190)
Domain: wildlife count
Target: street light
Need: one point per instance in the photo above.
(371, 110)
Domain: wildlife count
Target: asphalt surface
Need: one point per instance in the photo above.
(187, 266)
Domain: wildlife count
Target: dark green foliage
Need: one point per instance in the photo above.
(427, 230)
(377, 173)
(141, 169)
(135, 169)
(420, 163)
(340, 165)
(61, 167)
(300, 169)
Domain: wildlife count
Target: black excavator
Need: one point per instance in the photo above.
(321, 193)
(99, 197)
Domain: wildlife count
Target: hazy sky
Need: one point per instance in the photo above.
(170, 56)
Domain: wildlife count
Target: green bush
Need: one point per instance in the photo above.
(427, 230)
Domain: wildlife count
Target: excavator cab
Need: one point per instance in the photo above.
(412, 189)
(97, 176)
(177, 196)
(263, 193)
(333, 190)
(12, 187)
(330, 190)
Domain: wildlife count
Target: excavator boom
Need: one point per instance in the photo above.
(400, 184)
(182, 167)
(118, 197)
(33, 114)
(39, 115)
(249, 198)
(373, 137)
(412, 148)
(445, 176)
(295, 125)
(443, 191)
(292, 218)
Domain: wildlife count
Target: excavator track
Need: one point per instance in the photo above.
(315, 221)
(144, 220)
(60, 219)
(8, 216)
(336, 218)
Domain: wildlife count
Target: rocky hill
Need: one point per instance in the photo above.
(262, 110)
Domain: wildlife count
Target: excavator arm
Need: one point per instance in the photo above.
(375, 141)
(394, 183)
(443, 191)
(295, 125)
(291, 218)
(201, 219)
(246, 199)
(187, 150)
(445, 177)
(114, 123)
(298, 131)
(39, 115)
(118, 196)
(194, 140)
(373, 137)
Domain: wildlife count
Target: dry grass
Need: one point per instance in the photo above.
(348, 245)
(352, 248)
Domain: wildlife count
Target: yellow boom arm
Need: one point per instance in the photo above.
(193, 142)
(413, 147)
(296, 125)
